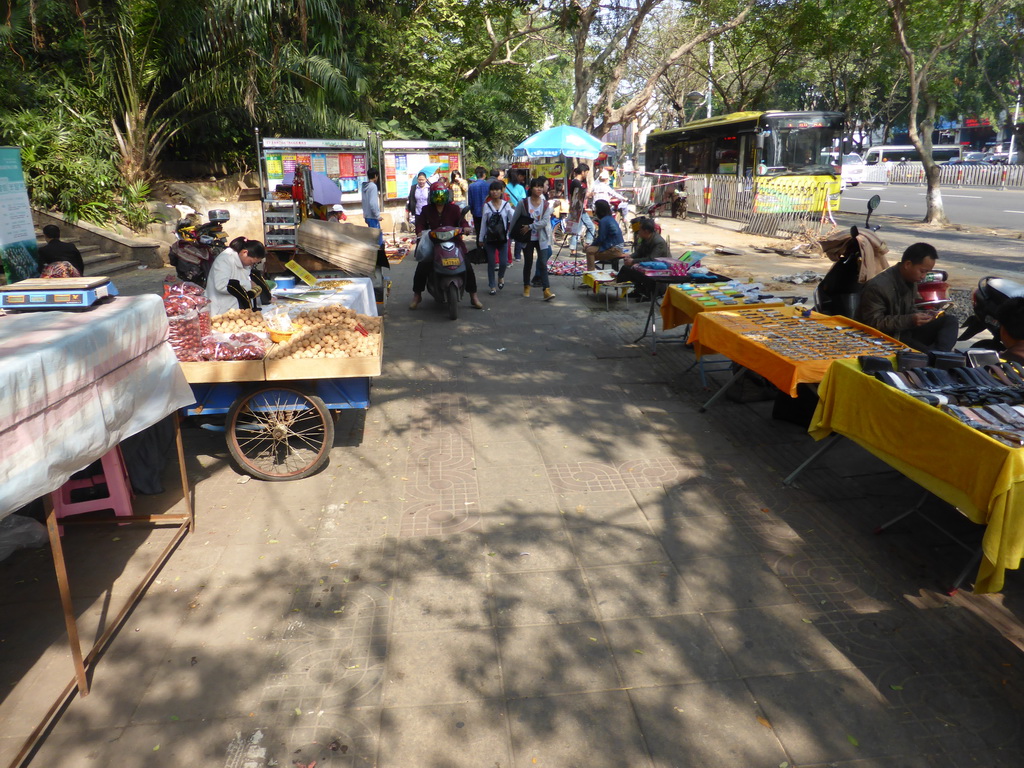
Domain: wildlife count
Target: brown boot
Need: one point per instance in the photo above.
(526, 291)
(548, 295)
(416, 299)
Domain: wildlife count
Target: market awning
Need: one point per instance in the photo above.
(562, 140)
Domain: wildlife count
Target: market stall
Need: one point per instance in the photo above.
(273, 380)
(980, 476)
(75, 385)
(683, 302)
(401, 161)
(552, 153)
(786, 345)
(677, 271)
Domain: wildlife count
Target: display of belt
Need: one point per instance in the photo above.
(989, 399)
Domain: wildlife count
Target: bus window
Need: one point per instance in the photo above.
(796, 151)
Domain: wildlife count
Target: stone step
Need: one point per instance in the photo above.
(109, 268)
(82, 249)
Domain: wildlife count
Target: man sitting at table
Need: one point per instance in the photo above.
(889, 300)
(607, 246)
(1011, 329)
(651, 247)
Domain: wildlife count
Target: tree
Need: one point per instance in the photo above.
(605, 38)
(926, 33)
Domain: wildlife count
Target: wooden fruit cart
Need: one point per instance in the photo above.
(280, 413)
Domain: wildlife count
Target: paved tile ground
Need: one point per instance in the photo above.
(531, 551)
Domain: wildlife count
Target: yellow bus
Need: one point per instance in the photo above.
(777, 154)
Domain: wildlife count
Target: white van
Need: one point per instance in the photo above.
(896, 153)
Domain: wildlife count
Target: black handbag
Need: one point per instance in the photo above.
(521, 231)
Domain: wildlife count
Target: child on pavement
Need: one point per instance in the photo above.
(496, 238)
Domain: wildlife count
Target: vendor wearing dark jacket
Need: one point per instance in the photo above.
(441, 212)
(888, 302)
(650, 247)
(1011, 329)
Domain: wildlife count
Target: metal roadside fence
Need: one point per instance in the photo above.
(991, 176)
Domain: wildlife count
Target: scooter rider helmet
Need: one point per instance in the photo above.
(439, 193)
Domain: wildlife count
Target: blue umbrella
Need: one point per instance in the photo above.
(563, 140)
(325, 189)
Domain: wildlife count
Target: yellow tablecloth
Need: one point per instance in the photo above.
(679, 307)
(980, 476)
(721, 332)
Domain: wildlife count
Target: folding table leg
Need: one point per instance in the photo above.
(828, 443)
(184, 474)
(915, 508)
(65, 596)
(972, 565)
(723, 389)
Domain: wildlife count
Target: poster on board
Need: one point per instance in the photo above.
(343, 161)
(403, 161)
(17, 231)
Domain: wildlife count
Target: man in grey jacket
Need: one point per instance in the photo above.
(371, 201)
(888, 302)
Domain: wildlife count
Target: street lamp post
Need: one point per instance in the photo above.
(1013, 132)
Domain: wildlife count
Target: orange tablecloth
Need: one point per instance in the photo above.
(679, 307)
(981, 477)
(722, 332)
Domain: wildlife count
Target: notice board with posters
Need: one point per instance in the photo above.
(17, 231)
(344, 161)
(403, 160)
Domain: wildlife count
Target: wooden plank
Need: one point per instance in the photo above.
(216, 371)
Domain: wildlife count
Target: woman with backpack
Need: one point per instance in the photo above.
(538, 238)
(497, 224)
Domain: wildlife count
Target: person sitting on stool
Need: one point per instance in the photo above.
(889, 300)
(1011, 329)
(58, 250)
(652, 247)
(607, 246)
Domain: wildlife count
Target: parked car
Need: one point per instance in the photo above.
(1004, 158)
(965, 162)
(978, 157)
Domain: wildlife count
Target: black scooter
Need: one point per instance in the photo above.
(990, 294)
(839, 291)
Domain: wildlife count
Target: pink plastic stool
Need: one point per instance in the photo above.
(119, 490)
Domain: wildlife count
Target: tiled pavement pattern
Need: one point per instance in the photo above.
(532, 551)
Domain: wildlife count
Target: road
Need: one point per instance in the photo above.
(970, 206)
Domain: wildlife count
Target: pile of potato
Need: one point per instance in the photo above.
(331, 332)
(240, 321)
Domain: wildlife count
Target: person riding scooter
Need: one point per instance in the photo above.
(440, 211)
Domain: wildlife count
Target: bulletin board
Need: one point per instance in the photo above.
(343, 160)
(403, 160)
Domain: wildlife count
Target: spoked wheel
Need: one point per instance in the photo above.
(279, 433)
(452, 297)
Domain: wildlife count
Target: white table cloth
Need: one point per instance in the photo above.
(358, 296)
(75, 384)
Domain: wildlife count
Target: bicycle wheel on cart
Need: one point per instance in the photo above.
(279, 433)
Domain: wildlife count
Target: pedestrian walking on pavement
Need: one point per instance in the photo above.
(495, 232)
(537, 207)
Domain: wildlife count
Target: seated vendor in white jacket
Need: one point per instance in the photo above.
(232, 284)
